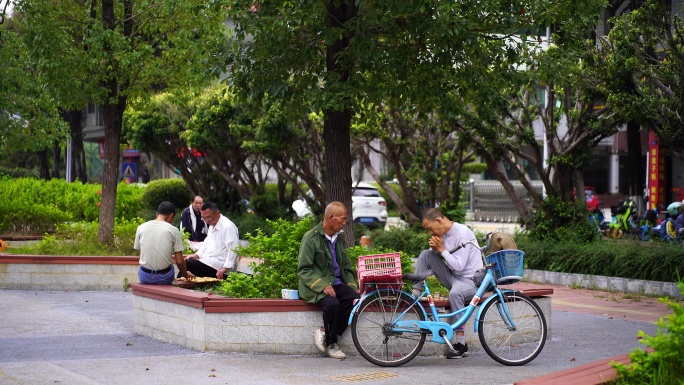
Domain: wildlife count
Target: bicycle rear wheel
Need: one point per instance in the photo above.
(373, 323)
(508, 345)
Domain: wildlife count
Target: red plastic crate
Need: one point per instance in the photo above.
(379, 268)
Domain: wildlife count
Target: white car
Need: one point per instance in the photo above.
(368, 207)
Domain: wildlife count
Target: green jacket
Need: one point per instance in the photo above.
(315, 269)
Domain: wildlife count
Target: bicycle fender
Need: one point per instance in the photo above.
(482, 306)
(433, 327)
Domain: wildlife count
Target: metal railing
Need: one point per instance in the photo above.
(487, 201)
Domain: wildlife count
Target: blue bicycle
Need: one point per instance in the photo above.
(389, 326)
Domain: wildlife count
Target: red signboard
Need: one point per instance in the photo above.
(656, 172)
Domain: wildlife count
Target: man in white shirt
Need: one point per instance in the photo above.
(216, 257)
(453, 269)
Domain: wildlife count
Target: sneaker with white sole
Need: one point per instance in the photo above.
(333, 351)
(460, 350)
(319, 340)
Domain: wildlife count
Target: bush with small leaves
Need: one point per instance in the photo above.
(665, 365)
(170, 190)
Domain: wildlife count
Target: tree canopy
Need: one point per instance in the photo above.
(112, 51)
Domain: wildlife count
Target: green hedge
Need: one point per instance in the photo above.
(279, 254)
(81, 239)
(410, 242)
(625, 258)
(34, 206)
(170, 190)
(268, 206)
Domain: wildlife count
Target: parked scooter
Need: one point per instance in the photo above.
(626, 220)
(597, 220)
(648, 221)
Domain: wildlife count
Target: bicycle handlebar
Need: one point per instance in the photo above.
(464, 244)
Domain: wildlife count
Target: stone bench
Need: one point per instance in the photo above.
(58, 272)
(593, 373)
(207, 322)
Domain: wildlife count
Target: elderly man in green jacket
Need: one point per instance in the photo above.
(326, 278)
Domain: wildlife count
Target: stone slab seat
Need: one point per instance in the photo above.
(208, 322)
(219, 304)
(532, 293)
(68, 259)
(593, 373)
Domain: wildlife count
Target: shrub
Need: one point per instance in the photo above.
(69, 198)
(30, 218)
(279, 259)
(268, 206)
(279, 253)
(129, 201)
(59, 201)
(81, 239)
(624, 258)
(408, 241)
(18, 172)
(250, 224)
(665, 365)
(171, 190)
(558, 220)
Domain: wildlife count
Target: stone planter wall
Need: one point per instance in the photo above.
(599, 282)
(51, 272)
(205, 322)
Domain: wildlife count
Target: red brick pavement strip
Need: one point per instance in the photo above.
(631, 307)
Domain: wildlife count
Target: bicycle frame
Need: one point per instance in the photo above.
(441, 331)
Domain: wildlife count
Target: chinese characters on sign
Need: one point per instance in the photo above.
(656, 173)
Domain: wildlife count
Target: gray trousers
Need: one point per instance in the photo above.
(460, 288)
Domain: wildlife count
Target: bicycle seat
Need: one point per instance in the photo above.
(416, 277)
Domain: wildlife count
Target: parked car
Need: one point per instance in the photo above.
(591, 198)
(368, 207)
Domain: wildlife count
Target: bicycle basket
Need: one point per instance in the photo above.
(508, 266)
(379, 268)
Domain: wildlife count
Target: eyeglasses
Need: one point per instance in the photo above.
(207, 219)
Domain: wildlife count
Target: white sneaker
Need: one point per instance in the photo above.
(319, 340)
(333, 351)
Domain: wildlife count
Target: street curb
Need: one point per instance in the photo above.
(599, 282)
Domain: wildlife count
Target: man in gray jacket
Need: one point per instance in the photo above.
(453, 269)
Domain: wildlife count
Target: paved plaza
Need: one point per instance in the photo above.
(87, 338)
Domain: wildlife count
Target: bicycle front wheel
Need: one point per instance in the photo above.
(512, 345)
(372, 328)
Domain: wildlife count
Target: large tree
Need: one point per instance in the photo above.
(218, 143)
(332, 55)
(423, 152)
(642, 71)
(125, 49)
(29, 120)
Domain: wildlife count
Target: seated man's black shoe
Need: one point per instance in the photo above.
(459, 351)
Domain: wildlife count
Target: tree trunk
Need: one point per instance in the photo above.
(412, 218)
(636, 175)
(56, 156)
(496, 167)
(113, 109)
(113, 114)
(565, 182)
(79, 170)
(43, 166)
(337, 121)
